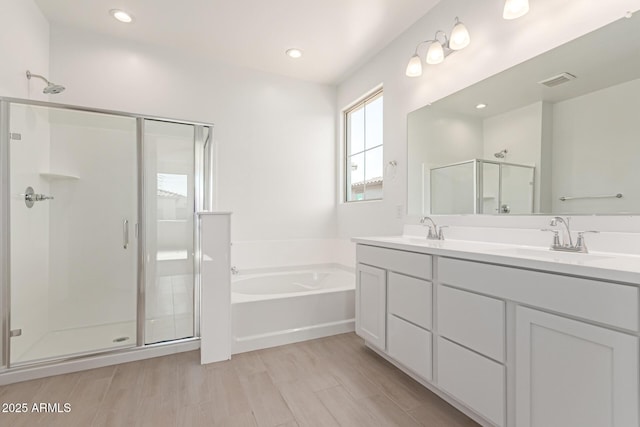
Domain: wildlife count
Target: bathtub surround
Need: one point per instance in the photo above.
(275, 316)
(255, 255)
(290, 305)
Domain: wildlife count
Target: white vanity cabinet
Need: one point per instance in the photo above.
(371, 305)
(393, 305)
(571, 373)
(509, 344)
(571, 368)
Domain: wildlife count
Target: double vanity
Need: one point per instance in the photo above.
(511, 335)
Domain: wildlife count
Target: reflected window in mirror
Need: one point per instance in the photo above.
(364, 149)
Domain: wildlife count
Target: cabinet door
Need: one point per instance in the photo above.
(569, 373)
(472, 379)
(410, 345)
(410, 299)
(371, 305)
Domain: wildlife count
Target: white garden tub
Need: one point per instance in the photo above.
(279, 308)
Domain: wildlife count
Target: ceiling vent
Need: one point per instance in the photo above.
(557, 80)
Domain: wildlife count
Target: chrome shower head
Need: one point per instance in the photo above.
(501, 154)
(51, 89)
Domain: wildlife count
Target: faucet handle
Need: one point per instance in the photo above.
(556, 236)
(580, 242)
(440, 234)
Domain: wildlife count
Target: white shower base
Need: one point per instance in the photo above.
(169, 317)
(77, 341)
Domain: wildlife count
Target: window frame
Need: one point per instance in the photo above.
(361, 103)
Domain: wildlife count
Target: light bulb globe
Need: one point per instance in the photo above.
(459, 37)
(514, 9)
(435, 54)
(414, 67)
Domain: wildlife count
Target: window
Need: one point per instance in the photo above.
(363, 160)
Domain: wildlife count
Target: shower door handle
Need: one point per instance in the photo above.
(125, 233)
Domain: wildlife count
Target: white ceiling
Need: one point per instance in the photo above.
(336, 36)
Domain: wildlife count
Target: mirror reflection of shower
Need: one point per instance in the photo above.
(501, 154)
(51, 88)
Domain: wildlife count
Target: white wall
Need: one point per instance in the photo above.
(24, 45)
(275, 135)
(496, 45)
(598, 143)
(438, 138)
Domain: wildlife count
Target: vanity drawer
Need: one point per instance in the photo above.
(410, 345)
(475, 380)
(409, 263)
(410, 299)
(604, 302)
(475, 321)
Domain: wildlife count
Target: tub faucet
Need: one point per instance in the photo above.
(435, 232)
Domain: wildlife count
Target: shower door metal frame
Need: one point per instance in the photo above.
(5, 242)
(205, 179)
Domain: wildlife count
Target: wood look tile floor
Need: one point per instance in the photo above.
(334, 381)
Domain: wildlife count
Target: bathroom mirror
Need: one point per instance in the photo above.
(560, 134)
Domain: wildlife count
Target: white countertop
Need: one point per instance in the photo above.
(597, 265)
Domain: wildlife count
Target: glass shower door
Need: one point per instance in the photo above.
(170, 199)
(517, 184)
(73, 213)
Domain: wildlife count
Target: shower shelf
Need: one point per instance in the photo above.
(57, 176)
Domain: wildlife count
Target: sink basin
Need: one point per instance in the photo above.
(546, 254)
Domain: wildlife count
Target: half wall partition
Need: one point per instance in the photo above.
(98, 250)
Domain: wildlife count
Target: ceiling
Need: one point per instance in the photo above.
(336, 36)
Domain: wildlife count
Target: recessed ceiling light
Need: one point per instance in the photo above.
(121, 16)
(294, 53)
(481, 106)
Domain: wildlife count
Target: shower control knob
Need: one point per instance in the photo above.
(37, 197)
(30, 197)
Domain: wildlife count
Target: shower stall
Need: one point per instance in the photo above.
(99, 248)
(480, 186)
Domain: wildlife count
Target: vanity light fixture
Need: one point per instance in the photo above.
(514, 9)
(439, 48)
(481, 106)
(294, 53)
(121, 16)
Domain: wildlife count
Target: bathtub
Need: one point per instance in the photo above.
(284, 307)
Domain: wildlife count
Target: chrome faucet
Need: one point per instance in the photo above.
(435, 232)
(580, 245)
(558, 219)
